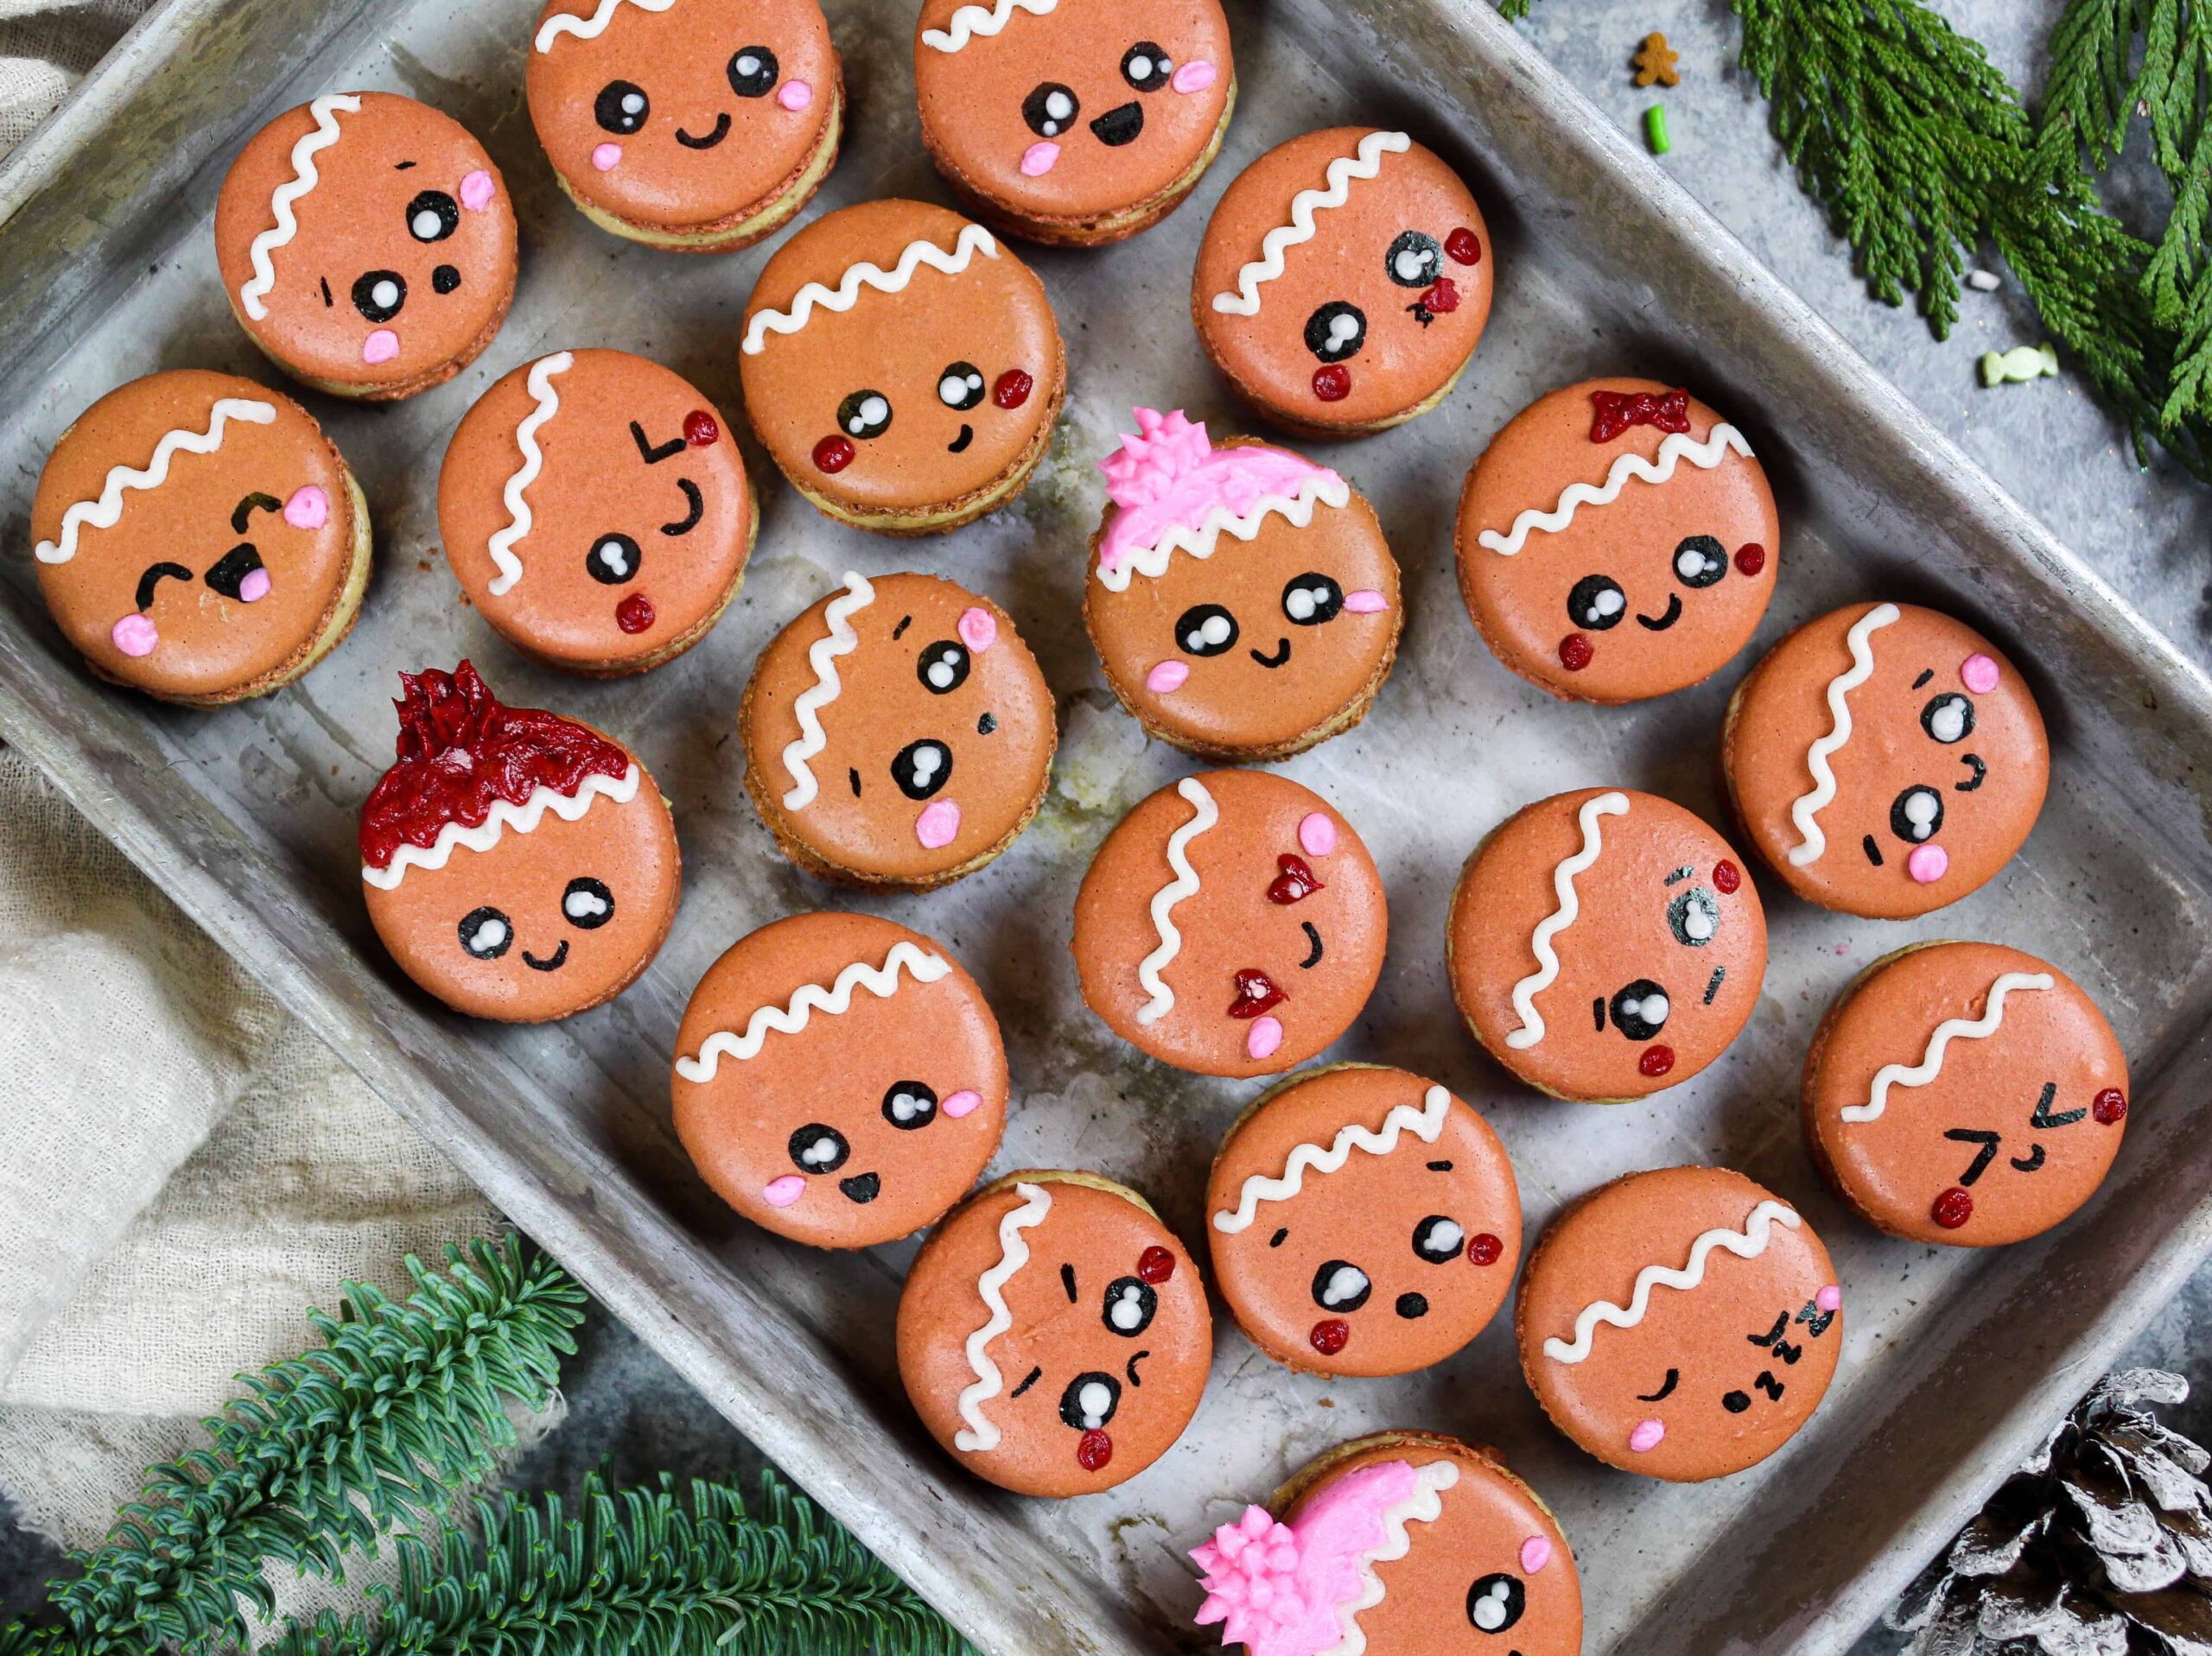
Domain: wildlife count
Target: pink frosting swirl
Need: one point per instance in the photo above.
(1168, 475)
(1279, 1589)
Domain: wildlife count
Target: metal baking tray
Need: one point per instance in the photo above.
(1956, 1360)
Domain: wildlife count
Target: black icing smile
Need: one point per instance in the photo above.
(959, 444)
(720, 131)
(1973, 762)
(697, 503)
(559, 960)
(1119, 125)
(1280, 658)
(1673, 614)
(1312, 936)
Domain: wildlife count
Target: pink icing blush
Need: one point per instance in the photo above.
(1194, 77)
(477, 191)
(1264, 1036)
(782, 1192)
(1830, 1299)
(1366, 602)
(1166, 678)
(979, 629)
(1535, 1553)
(1979, 674)
(309, 508)
(134, 635)
(254, 587)
(1318, 834)
(1037, 159)
(606, 157)
(795, 95)
(966, 1102)
(1647, 1435)
(1928, 864)
(380, 346)
(937, 825)
(1169, 477)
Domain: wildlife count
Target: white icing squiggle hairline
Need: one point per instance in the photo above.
(980, 1432)
(1152, 560)
(591, 27)
(519, 522)
(882, 981)
(505, 818)
(1426, 1123)
(822, 655)
(973, 239)
(106, 511)
(1204, 815)
(1424, 1506)
(1956, 1029)
(970, 21)
(1745, 1244)
(1339, 174)
(1679, 447)
(253, 293)
(1813, 841)
(1569, 909)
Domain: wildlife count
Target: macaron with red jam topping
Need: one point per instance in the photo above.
(1242, 599)
(518, 864)
(1077, 122)
(901, 367)
(367, 245)
(1344, 282)
(695, 126)
(595, 509)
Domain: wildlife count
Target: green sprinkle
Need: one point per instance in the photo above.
(1654, 129)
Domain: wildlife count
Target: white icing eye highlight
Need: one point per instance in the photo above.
(1145, 66)
(487, 934)
(1640, 1009)
(1699, 561)
(1597, 602)
(1694, 917)
(588, 903)
(621, 107)
(433, 216)
(1090, 1402)
(1414, 260)
(1205, 630)
(1439, 1240)
(921, 768)
(818, 1148)
(1050, 108)
(864, 414)
(1916, 814)
(1340, 1285)
(961, 386)
(909, 1105)
(1948, 718)
(943, 668)
(1497, 1603)
(1311, 600)
(1131, 1303)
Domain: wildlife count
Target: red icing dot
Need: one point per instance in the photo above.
(1156, 1264)
(1464, 246)
(1330, 1336)
(1011, 392)
(1256, 993)
(1656, 1061)
(1295, 883)
(1751, 558)
(701, 429)
(1953, 1208)
(1443, 298)
(833, 453)
(2109, 1106)
(1484, 1248)
(634, 614)
(1576, 651)
(1094, 1449)
(1726, 877)
(1332, 383)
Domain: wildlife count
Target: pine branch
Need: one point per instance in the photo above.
(638, 1573)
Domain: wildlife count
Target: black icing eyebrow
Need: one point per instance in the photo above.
(900, 631)
(402, 166)
(1713, 988)
(250, 505)
(1440, 1167)
(1926, 673)
(1874, 851)
(1130, 1368)
(1035, 1374)
(327, 300)
(1280, 1237)
(1686, 872)
(1067, 1281)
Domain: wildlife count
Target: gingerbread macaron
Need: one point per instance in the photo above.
(1344, 281)
(1242, 599)
(1886, 760)
(1077, 121)
(198, 538)
(695, 126)
(595, 509)
(1604, 944)
(518, 864)
(1965, 1093)
(839, 1079)
(1402, 1543)
(901, 367)
(1363, 1221)
(898, 733)
(367, 245)
(1617, 540)
(1683, 1323)
(1054, 1335)
(1232, 924)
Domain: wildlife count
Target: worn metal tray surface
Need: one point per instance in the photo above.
(1954, 1359)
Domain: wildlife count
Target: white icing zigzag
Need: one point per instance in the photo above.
(1204, 815)
(1199, 542)
(973, 239)
(1426, 1123)
(591, 27)
(841, 640)
(1956, 1029)
(1679, 446)
(1014, 1254)
(882, 981)
(1570, 906)
(972, 21)
(1817, 800)
(1424, 1506)
(254, 294)
(107, 511)
(1745, 1244)
(502, 546)
(522, 819)
(1245, 302)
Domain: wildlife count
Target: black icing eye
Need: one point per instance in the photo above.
(1916, 815)
(753, 72)
(487, 934)
(621, 106)
(1336, 331)
(1597, 602)
(960, 386)
(1495, 1603)
(1640, 1009)
(943, 668)
(379, 295)
(1700, 560)
(588, 903)
(1131, 1304)
(227, 575)
(1414, 260)
(1145, 66)
(1736, 1402)
(1205, 630)
(613, 560)
(444, 279)
(1050, 108)
(433, 216)
(1310, 600)
(1439, 1240)
(1090, 1402)
(818, 1148)
(1340, 1285)
(921, 768)
(864, 415)
(1694, 917)
(909, 1105)
(1948, 718)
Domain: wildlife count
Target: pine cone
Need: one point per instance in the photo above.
(2101, 1545)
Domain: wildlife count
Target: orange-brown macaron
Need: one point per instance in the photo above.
(367, 245)
(901, 367)
(1078, 121)
(1054, 1335)
(1363, 1221)
(1965, 1093)
(1683, 1323)
(1344, 282)
(198, 538)
(695, 126)
(1617, 541)
(839, 1079)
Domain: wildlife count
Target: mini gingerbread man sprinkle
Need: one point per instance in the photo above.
(1654, 63)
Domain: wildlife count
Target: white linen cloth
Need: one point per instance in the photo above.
(46, 47)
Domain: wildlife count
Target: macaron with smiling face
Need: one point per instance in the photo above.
(695, 126)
